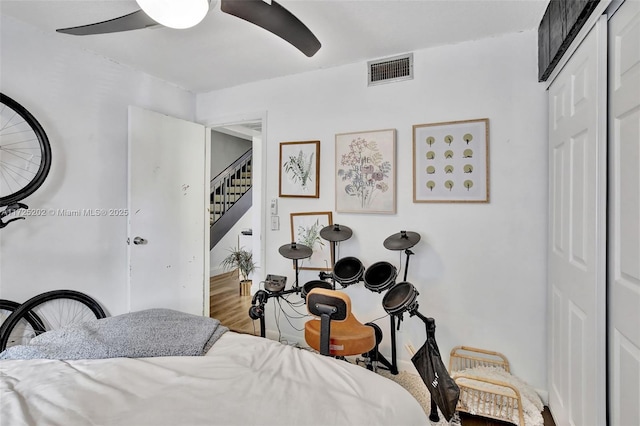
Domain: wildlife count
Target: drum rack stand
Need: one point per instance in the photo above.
(256, 312)
(375, 354)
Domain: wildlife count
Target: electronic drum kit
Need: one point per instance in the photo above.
(399, 298)
(380, 277)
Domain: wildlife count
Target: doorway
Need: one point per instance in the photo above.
(226, 303)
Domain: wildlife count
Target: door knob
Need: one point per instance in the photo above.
(139, 240)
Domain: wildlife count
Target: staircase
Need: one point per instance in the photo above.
(231, 192)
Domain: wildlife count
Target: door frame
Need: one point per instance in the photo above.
(259, 193)
(622, 300)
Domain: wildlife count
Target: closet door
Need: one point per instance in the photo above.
(624, 215)
(577, 226)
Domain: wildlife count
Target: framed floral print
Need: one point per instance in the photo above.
(366, 172)
(305, 229)
(451, 162)
(300, 169)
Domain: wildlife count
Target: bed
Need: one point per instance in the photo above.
(240, 380)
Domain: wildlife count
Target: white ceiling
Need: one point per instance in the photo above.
(224, 51)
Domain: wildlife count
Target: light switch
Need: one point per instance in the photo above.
(275, 223)
(274, 206)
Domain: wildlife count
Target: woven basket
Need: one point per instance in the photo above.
(501, 402)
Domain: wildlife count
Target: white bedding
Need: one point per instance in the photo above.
(243, 380)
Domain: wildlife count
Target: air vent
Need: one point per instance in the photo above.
(388, 70)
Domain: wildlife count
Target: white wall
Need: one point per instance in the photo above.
(230, 240)
(480, 268)
(225, 149)
(81, 101)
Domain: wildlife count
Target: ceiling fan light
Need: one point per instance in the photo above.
(178, 14)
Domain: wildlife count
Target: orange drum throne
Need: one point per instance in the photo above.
(337, 332)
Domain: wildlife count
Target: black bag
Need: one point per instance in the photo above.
(443, 389)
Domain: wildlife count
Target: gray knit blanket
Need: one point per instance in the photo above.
(149, 333)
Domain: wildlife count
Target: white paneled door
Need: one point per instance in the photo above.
(624, 215)
(577, 168)
(168, 213)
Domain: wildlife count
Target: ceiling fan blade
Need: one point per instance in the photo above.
(276, 19)
(133, 21)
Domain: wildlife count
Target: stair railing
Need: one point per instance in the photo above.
(230, 184)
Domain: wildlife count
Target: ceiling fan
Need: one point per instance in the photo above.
(184, 14)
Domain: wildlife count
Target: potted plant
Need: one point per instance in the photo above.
(242, 260)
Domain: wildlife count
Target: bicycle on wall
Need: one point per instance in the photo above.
(25, 157)
(25, 160)
(52, 310)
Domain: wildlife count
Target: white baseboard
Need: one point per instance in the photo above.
(285, 338)
(544, 396)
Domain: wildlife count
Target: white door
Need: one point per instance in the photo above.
(577, 226)
(168, 213)
(624, 215)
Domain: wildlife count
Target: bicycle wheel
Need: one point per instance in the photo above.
(25, 153)
(54, 309)
(26, 327)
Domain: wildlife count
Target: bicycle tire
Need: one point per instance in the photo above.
(32, 319)
(10, 171)
(8, 305)
(31, 307)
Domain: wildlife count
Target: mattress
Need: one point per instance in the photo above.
(242, 380)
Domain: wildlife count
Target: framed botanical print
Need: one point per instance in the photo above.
(300, 169)
(305, 230)
(366, 172)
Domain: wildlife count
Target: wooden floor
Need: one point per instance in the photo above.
(228, 306)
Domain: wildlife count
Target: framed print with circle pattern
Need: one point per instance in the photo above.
(451, 162)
